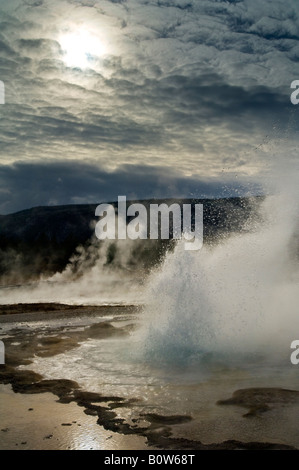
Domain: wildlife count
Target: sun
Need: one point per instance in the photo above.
(81, 48)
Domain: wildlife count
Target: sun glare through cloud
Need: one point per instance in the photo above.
(80, 48)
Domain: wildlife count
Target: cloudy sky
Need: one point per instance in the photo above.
(144, 98)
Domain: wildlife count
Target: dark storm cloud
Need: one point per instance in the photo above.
(190, 85)
(33, 3)
(44, 129)
(37, 184)
(194, 21)
(180, 105)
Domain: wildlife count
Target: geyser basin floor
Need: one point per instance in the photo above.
(134, 402)
(38, 422)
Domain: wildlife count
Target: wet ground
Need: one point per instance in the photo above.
(69, 382)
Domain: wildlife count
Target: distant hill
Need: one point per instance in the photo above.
(42, 240)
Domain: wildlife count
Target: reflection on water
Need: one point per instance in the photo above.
(35, 422)
(115, 366)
